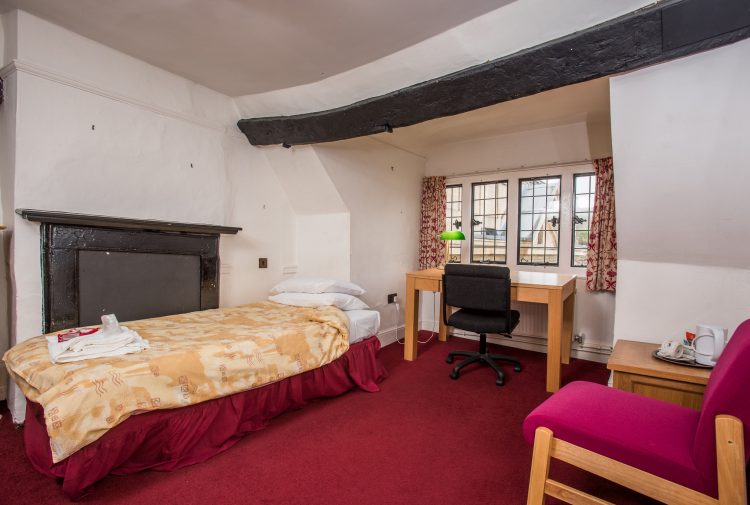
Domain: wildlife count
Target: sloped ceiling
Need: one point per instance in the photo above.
(241, 47)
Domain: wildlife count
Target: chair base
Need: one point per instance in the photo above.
(482, 357)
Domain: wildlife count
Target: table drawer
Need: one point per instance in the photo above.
(679, 393)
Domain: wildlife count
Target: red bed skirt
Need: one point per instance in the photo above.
(171, 439)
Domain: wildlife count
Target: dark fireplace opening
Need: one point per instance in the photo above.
(136, 285)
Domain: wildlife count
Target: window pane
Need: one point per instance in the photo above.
(582, 239)
(583, 205)
(541, 246)
(490, 212)
(581, 185)
(453, 220)
(540, 203)
(581, 221)
(553, 187)
(526, 204)
(540, 187)
(553, 204)
(539, 223)
(527, 188)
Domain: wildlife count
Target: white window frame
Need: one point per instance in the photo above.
(566, 173)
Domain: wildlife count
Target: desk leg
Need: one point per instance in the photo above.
(567, 329)
(411, 322)
(554, 340)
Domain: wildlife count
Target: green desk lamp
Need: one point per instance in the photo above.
(449, 235)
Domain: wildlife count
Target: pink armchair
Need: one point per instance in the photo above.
(670, 453)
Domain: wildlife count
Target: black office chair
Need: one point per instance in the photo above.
(482, 293)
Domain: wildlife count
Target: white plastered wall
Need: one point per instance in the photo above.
(7, 162)
(681, 154)
(502, 155)
(99, 132)
(380, 186)
(321, 225)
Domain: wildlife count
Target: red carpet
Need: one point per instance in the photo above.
(424, 439)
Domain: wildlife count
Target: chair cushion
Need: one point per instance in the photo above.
(649, 434)
(483, 322)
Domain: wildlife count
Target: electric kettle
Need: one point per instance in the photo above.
(709, 343)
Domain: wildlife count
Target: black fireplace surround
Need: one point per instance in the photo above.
(136, 269)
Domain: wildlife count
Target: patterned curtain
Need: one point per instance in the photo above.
(431, 248)
(601, 263)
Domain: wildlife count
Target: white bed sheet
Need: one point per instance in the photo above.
(362, 324)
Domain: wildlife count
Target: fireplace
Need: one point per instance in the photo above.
(136, 269)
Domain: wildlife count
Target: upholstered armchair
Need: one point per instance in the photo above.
(671, 453)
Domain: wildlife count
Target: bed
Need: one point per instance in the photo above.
(209, 378)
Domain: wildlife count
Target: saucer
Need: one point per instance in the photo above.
(684, 361)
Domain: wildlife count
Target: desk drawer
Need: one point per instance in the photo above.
(427, 284)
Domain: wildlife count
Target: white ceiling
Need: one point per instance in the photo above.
(240, 47)
(584, 102)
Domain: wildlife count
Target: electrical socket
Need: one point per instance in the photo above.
(392, 297)
(262, 262)
(578, 338)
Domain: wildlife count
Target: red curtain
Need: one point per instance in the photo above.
(601, 263)
(431, 248)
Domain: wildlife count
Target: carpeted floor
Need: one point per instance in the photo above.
(424, 439)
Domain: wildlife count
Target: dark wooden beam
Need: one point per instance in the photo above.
(123, 223)
(651, 35)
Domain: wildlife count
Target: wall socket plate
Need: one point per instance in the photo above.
(392, 297)
(262, 262)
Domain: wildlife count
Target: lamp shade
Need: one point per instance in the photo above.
(452, 235)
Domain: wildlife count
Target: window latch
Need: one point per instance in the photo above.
(554, 221)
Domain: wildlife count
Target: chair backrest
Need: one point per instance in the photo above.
(727, 392)
(477, 287)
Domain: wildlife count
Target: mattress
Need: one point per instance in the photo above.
(362, 324)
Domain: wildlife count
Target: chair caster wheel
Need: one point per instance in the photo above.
(499, 382)
(449, 359)
(516, 368)
(454, 375)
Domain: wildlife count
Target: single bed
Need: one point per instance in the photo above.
(244, 369)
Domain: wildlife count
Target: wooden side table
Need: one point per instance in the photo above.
(634, 369)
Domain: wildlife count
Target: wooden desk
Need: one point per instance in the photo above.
(635, 370)
(557, 291)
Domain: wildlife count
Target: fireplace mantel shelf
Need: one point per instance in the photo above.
(56, 217)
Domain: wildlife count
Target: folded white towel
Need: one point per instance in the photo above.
(110, 340)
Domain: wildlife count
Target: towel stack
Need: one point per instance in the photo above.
(89, 343)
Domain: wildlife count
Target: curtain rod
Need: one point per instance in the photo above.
(520, 169)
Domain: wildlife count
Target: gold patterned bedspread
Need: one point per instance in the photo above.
(193, 358)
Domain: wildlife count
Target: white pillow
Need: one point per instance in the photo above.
(340, 300)
(316, 285)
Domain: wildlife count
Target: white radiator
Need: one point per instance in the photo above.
(533, 321)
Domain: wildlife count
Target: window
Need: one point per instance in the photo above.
(489, 222)
(453, 196)
(539, 221)
(584, 189)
